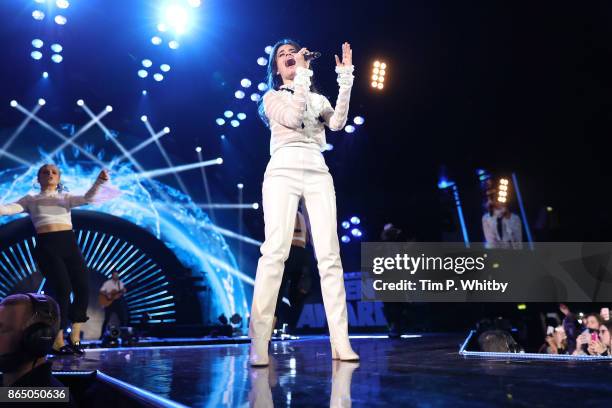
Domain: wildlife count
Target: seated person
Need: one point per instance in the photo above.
(28, 326)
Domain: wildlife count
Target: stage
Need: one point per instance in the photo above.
(424, 370)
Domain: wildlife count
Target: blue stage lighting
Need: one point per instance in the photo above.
(144, 92)
(220, 121)
(262, 61)
(164, 67)
(143, 73)
(36, 55)
(156, 40)
(194, 3)
(173, 44)
(56, 48)
(355, 220)
(37, 43)
(349, 128)
(268, 49)
(198, 149)
(38, 15)
(61, 20)
(176, 17)
(245, 82)
(241, 116)
(45, 74)
(40, 1)
(41, 101)
(158, 77)
(63, 4)
(228, 114)
(144, 118)
(444, 183)
(147, 63)
(328, 147)
(222, 137)
(255, 97)
(345, 239)
(57, 58)
(262, 86)
(235, 123)
(162, 28)
(346, 224)
(358, 120)
(239, 94)
(356, 232)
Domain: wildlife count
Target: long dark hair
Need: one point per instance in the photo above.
(274, 80)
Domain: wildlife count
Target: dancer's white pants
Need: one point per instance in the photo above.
(294, 172)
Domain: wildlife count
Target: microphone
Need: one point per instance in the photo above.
(312, 55)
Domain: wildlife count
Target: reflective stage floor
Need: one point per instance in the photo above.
(424, 371)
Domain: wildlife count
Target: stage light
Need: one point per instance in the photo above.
(235, 123)
(161, 27)
(346, 224)
(164, 67)
(57, 48)
(142, 73)
(144, 118)
(228, 114)
(63, 4)
(355, 220)
(147, 63)
(255, 97)
(38, 15)
(57, 58)
(356, 232)
(177, 18)
(13, 103)
(195, 3)
(108, 108)
(80, 102)
(173, 44)
(358, 120)
(240, 186)
(60, 20)
(245, 83)
(262, 61)
(239, 94)
(45, 74)
(328, 147)
(549, 209)
(198, 149)
(220, 121)
(349, 128)
(166, 130)
(37, 43)
(222, 137)
(241, 116)
(40, 1)
(156, 40)
(219, 160)
(158, 77)
(36, 55)
(375, 77)
(262, 86)
(268, 49)
(144, 92)
(345, 239)
(374, 84)
(383, 66)
(41, 101)
(255, 206)
(378, 74)
(380, 86)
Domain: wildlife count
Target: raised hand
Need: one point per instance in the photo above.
(300, 61)
(347, 56)
(103, 176)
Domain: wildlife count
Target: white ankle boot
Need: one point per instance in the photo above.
(341, 350)
(258, 353)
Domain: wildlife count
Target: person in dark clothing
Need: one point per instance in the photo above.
(570, 325)
(28, 324)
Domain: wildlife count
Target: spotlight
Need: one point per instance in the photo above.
(240, 186)
(245, 83)
(38, 15)
(36, 55)
(255, 97)
(40, 1)
(355, 220)
(256, 206)
(549, 209)
(235, 123)
(194, 3)
(378, 74)
(60, 20)
(241, 116)
(198, 149)
(161, 27)
(144, 118)
(173, 44)
(328, 147)
(80, 102)
(239, 94)
(346, 224)
(262, 86)
(41, 101)
(109, 108)
(356, 232)
(13, 103)
(220, 121)
(45, 74)
(144, 92)
(156, 40)
(147, 63)
(164, 67)
(166, 130)
(57, 58)
(262, 61)
(219, 160)
(57, 48)
(358, 120)
(349, 128)
(228, 114)
(37, 43)
(63, 4)
(268, 49)
(222, 137)
(345, 239)
(177, 18)
(143, 73)
(158, 77)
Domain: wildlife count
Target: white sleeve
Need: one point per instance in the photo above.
(335, 118)
(489, 230)
(17, 207)
(290, 114)
(88, 197)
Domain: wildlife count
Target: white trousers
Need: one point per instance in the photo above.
(293, 173)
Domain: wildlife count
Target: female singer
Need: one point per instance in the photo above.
(57, 254)
(296, 116)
